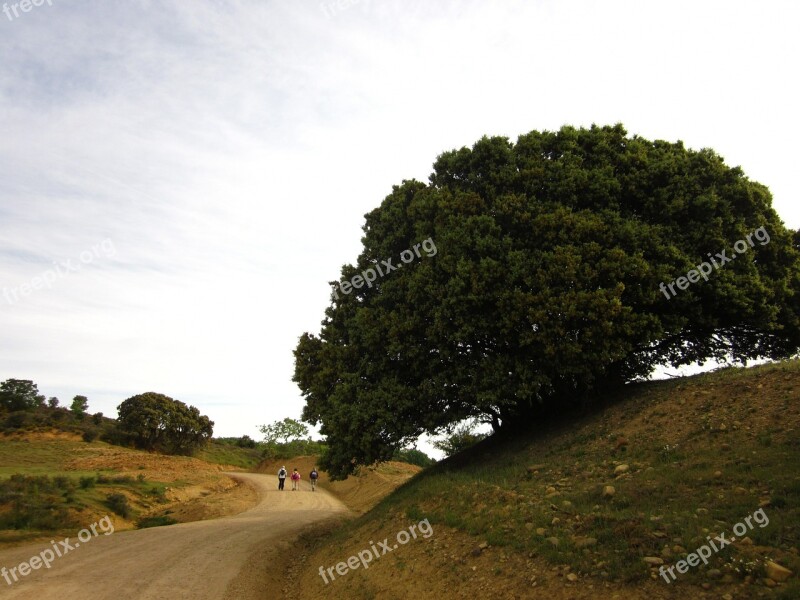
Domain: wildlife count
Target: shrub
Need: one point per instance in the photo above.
(90, 435)
(19, 420)
(64, 483)
(86, 482)
(36, 502)
(119, 504)
(159, 494)
(158, 521)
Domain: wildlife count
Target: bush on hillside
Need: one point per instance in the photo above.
(36, 502)
(119, 504)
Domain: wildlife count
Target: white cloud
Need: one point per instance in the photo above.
(229, 149)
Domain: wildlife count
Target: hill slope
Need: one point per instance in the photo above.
(157, 488)
(536, 517)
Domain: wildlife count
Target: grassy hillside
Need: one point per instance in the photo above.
(592, 505)
(54, 481)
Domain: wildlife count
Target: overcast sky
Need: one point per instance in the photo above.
(181, 179)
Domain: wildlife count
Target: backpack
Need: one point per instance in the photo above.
(282, 473)
(314, 474)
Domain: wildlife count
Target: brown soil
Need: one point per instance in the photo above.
(207, 560)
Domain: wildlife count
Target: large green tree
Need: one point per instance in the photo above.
(157, 422)
(545, 289)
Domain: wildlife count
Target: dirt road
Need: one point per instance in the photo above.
(195, 561)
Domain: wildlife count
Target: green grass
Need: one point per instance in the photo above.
(227, 454)
(41, 506)
(36, 457)
(677, 493)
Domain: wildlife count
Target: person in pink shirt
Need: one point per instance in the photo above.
(295, 480)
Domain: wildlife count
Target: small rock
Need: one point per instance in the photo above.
(550, 490)
(654, 560)
(553, 540)
(483, 545)
(555, 521)
(776, 572)
(585, 542)
(609, 491)
(746, 541)
(678, 549)
(717, 474)
(621, 469)
(725, 447)
(541, 531)
(714, 574)
(476, 551)
(770, 583)
(572, 577)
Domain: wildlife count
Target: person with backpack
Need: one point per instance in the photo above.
(313, 477)
(295, 480)
(281, 478)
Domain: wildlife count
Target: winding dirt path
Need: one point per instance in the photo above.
(195, 561)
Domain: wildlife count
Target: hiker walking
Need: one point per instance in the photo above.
(295, 480)
(281, 478)
(313, 477)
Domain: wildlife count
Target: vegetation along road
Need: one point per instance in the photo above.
(192, 560)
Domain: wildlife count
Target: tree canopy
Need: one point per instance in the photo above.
(157, 422)
(545, 290)
(283, 431)
(20, 394)
(80, 404)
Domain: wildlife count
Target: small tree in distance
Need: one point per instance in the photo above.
(463, 437)
(289, 438)
(80, 405)
(283, 431)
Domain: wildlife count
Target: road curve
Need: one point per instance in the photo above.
(195, 561)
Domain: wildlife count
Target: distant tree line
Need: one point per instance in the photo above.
(149, 421)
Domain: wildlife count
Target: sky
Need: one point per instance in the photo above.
(181, 179)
